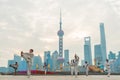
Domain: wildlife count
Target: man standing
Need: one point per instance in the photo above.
(28, 57)
(76, 65)
(86, 67)
(45, 68)
(107, 64)
(72, 66)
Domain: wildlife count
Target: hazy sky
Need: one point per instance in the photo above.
(26, 24)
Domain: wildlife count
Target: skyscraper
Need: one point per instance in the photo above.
(87, 50)
(48, 60)
(115, 66)
(37, 63)
(60, 34)
(111, 56)
(23, 65)
(103, 43)
(45, 55)
(98, 55)
(66, 58)
(54, 59)
(3, 69)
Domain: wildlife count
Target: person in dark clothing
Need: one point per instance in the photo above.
(14, 66)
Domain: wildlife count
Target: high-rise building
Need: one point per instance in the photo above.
(66, 60)
(45, 55)
(23, 65)
(103, 43)
(115, 65)
(17, 58)
(54, 59)
(98, 55)
(3, 69)
(87, 50)
(37, 63)
(111, 56)
(60, 34)
(48, 60)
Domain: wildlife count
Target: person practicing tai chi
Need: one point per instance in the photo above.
(74, 65)
(107, 65)
(28, 57)
(14, 66)
(45, 68)
(86, 67)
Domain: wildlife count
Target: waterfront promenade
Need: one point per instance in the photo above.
(59, 77)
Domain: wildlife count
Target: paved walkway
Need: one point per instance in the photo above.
(68, 77)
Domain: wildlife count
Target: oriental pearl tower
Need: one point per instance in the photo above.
(60, 34)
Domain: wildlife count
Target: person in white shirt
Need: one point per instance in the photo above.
(76, 65)
(107, 65)
(86, 67)
(72, 66)
(28, 57)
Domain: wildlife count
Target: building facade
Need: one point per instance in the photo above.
(66, 60)
(54, 59)
(115, 66)
(98, 55)
(111, 56)
(103, 43)
(37, 63)
(87, 50)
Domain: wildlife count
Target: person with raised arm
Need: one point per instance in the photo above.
(86, 67)
(28, 57)
(76, 65)
(107, 65)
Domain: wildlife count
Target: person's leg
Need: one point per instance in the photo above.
(86, 72)
(108, 72)
(28, 69)
(15, 71)
(25, 56)
(72, 70)
(45, 71)
(76, 71)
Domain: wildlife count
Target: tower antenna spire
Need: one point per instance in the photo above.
(60, 20)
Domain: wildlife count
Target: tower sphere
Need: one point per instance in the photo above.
(60, 33)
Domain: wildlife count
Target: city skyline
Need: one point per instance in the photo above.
(34, 25)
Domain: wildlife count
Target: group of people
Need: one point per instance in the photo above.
(28, 57)
(73, 64)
